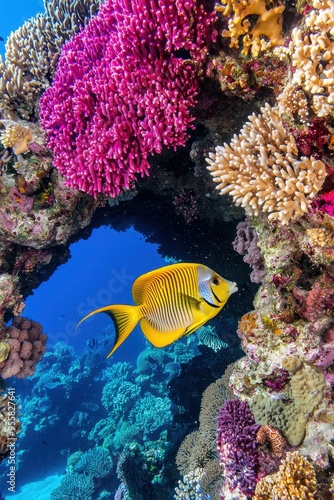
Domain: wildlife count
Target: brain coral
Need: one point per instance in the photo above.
(262, 172)
(122, 90)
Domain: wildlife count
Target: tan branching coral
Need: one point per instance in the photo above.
(267, 32)
(312, 54)
(32, 52)
(262, 172)
(293, 102)
(295, 479)
(15, 136)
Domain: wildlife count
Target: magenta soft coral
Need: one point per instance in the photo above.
(122, 90)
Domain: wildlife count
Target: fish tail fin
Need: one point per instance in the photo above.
(125, 318)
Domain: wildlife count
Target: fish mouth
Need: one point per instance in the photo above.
(232, 287)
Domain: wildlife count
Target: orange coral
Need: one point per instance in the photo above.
(270, 435)
(247, 324)
(268, 25)
(295, 479)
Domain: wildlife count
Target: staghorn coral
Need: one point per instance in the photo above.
(15, 136)
(262, 172)
(312, 53)
(189, 487)
(124, 92)
(32, 53)
(265, 34)
(295, 479)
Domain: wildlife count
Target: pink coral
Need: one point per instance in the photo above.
(326, 203)
(312, 303)
(27, 346)
(122, 90)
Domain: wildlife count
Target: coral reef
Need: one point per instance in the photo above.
(261, 170)
(15, 136)
(144, 78)
(268, 434)
(121, 93)
(27, 346)
(74, 486)
(237, 447)
(295, 479)
(245, 243)
(265, 34)
(32, 52)
(312, 50)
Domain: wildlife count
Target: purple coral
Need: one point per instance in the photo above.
(237, 446)
(123, 90)
(245, 244)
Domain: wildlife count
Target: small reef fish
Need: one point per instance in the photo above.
(170, 302)
(2, 39)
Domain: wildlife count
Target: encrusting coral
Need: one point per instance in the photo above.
(261, 170)
(264, 35)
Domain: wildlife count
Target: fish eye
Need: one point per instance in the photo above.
(215, 281)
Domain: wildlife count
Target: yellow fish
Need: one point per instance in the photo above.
(170, 302)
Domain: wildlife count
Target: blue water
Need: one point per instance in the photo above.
(13, 13)
(100, 272)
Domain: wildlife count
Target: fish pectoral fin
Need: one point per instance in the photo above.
(160, 339)
(124, 318)
(193, 300)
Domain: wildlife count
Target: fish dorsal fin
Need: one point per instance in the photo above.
(160, 339)
(143, 284)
